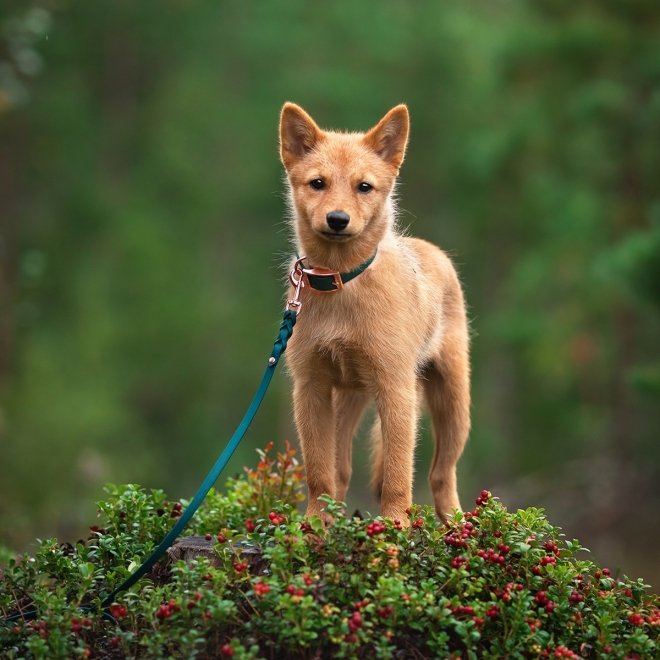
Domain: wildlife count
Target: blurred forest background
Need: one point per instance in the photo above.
(142, 237)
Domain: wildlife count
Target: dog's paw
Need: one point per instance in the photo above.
(446, 507)
(397, 515)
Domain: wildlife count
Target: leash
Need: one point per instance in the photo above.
(286, 330)
(284, 334)
(319, 279)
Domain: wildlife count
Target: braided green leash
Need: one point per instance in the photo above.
(286, 330)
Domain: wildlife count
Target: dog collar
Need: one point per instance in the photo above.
(324, 279)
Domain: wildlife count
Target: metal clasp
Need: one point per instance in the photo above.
(296, 277)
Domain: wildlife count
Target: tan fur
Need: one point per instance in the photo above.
(394, 335)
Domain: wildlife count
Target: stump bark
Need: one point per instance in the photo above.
(190, 548)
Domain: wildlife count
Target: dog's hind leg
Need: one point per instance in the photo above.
(446, 382)
(349, 407)
(376, 436)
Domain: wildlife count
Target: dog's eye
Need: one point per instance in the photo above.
(365, 187)
(317, 184)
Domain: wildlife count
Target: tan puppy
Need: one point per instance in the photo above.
(395, 333)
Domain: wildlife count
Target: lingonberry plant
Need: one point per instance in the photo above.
(489, 583)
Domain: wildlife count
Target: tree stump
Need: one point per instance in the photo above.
(190, 548)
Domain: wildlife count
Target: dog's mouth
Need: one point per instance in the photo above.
(337, 237)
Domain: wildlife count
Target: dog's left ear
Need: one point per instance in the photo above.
(389, 137)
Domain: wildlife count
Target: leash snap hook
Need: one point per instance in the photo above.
(296, 277)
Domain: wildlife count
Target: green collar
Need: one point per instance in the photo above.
(323, 279)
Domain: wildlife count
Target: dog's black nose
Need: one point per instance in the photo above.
(337, 220)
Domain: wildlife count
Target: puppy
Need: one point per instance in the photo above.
(382, 317)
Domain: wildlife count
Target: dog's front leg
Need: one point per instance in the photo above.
(314, 415)
(398, 411)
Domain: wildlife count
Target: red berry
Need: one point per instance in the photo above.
(636, 619)
(118, 611)
(261, 588)
(492, 611)
(226, 650)
(208, 537)
(375, 527)
(250, 526)
(164, 612)
(355, 622)
(221, 538)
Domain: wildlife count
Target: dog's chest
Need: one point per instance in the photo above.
(349, 368)
(340, 340)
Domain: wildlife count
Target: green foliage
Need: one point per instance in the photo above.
(488, 583)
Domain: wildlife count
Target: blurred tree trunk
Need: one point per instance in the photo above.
(9, 237)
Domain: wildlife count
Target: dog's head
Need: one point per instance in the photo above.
(341, 183)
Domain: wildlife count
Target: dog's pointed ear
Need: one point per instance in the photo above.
(299, 134)
(389, 137)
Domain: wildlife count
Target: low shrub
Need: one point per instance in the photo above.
(489, 583)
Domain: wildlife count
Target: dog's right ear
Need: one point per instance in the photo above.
(299, 134)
